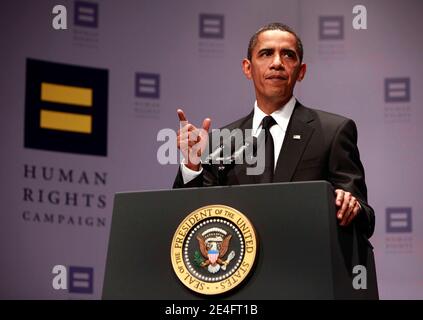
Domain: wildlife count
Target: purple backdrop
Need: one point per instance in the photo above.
(156, 56)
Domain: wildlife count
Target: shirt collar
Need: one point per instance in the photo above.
(281, 116)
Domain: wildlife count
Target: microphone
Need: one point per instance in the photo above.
(229, 141)
(233, 150)
(246, 149)
(215, 156)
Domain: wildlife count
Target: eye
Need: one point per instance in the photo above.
(289, 54)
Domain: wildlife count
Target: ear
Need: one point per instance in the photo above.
(246, 68)
(302, 72)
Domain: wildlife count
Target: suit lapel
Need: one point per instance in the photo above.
(297, 137)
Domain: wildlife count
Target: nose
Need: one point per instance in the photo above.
(277, 63)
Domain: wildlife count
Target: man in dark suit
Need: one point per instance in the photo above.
(304, 143)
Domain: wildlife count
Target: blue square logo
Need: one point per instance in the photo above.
(86, 14)
(212, 26)
(398, 220)
(147, 85)
(397, 89)
(81, 279)
(331, 28)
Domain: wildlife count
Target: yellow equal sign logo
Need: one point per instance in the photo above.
(66, 121)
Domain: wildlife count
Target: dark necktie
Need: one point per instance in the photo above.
(269, 155)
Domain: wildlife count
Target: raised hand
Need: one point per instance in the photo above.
(192, 141)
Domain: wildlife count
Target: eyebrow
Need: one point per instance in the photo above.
(264, 50)
(267, 50)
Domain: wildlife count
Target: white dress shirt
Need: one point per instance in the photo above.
(281, 116)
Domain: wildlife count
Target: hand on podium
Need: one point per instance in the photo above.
(348, 205)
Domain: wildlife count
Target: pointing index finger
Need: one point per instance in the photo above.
(206, 124)
(181, 115)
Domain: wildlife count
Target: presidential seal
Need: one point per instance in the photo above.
(213, 249)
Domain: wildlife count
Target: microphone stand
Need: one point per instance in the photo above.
(225, 164)
(222, 172)
(222, 165)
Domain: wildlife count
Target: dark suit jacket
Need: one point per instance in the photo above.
(327, 150)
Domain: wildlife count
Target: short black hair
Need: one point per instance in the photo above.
(274, 26)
